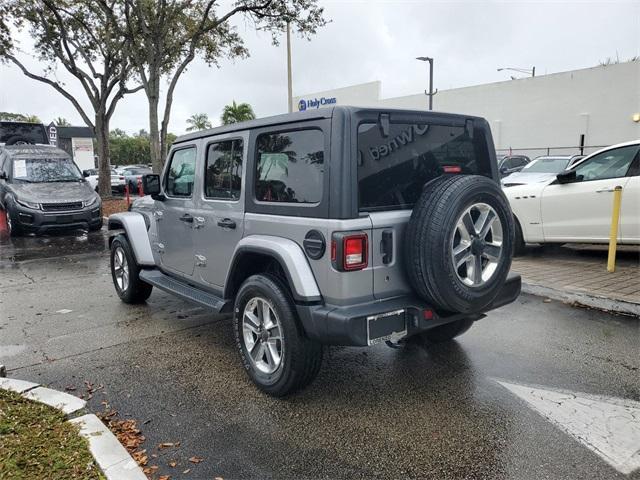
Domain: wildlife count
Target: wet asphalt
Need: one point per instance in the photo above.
(415, 412)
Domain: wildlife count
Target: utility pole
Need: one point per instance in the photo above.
(430, 93)
(289, 87)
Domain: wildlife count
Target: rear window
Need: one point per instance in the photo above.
(393, 168)
(16, 132)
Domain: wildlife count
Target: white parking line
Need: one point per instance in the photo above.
(608, 426)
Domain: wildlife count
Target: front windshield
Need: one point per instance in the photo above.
(547, 165)
(37, 170)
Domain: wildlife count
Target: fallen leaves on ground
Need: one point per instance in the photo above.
(196, 459)
(173, 463)
(113, 205)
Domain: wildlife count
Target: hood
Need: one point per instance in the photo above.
(525, 178)
(53, 192)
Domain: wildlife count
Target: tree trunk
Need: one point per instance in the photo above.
(153, 94)
(104, 164)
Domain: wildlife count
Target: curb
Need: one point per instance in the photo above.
(585, 299)
(111, 457)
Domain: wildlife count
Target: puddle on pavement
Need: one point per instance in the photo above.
(11, 350)
(31, 247)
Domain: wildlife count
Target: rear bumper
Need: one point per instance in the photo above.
(349, 325)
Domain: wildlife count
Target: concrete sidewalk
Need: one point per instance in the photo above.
(578, 273)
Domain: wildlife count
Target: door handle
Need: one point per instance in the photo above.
(227, 223)
(604, 190)
(186, 218)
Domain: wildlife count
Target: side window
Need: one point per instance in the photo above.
(520, 162)
(181, 173)
(610, 164)
(290, 166)
(223, 170)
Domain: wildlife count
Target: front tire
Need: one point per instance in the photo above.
(13, 226)
(125, 273)
(274, 350)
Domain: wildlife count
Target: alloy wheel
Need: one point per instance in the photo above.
(476, 245)
(262, 334)
(121, 269)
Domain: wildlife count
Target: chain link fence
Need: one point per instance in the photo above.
(534, 152)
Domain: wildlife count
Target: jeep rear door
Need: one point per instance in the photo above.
(397, 154)
(219, 218)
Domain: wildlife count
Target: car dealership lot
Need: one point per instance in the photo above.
(379, 412)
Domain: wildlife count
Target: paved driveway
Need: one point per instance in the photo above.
(437, 412)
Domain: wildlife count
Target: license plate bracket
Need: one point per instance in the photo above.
(391, 326)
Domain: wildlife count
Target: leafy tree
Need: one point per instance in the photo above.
(164, 37)
(128, 150)
(18, 117)
(235, 113)
(198, 121)
(61, 122)
(79, 37)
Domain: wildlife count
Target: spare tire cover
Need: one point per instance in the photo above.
(459, 242)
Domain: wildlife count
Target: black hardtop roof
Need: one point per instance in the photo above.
(314, 114)
(34, 151)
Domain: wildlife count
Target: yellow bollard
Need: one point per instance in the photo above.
(613, 235)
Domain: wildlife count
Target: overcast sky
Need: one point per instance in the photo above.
(376, 40)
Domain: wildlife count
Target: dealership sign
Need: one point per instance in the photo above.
(316, 103)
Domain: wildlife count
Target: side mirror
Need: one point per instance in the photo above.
(151, 184)
(566, 177)
(85, 173)
(503, 169)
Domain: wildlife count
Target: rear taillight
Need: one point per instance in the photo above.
(349, 251)
(451, 169)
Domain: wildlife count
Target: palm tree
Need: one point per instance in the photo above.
(235, 113)
(198, 121)
(61, 122)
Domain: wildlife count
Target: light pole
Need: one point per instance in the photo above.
(531, 72)
(431, 93)
(289, 87)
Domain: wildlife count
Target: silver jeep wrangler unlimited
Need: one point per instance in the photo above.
(339, 226)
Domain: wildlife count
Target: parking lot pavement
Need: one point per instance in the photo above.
(579, 273)
(498, 403)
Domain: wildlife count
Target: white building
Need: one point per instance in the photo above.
(534, 115)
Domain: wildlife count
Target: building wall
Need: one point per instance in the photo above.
(533, 113)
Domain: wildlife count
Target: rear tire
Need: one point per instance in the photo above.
(274, 350)
(125, 273)
(459, 243)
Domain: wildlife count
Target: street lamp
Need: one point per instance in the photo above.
(431, 93)
(531, 72)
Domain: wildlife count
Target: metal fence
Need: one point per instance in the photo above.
(534, 152)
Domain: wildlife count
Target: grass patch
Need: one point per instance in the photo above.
(37, 442)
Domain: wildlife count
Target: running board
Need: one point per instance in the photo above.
(183, 290)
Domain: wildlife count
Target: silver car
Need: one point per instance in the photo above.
(339, 226)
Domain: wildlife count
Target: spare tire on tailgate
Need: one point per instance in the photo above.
(459, 242)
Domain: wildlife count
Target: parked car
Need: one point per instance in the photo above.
(509, 164)
(540, 169)
(117, 180)
(313, 236)
(22, 133)
(42, 189)
(132, 175)
(576, 205)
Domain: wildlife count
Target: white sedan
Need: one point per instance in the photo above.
(576, 205)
